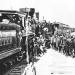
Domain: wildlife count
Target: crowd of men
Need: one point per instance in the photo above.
(42, 38)
(65, 42)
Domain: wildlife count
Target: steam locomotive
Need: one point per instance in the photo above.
(10, 45)
(10, 39)
(13, 39)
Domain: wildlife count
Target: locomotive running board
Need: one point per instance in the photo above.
(9, 52)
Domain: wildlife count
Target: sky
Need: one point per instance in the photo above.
(53, 10)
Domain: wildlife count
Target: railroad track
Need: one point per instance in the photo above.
(17, 69)
(20, 68)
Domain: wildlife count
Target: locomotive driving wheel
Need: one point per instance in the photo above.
(19, 57)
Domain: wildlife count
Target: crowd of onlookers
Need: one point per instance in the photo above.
(42, 38)
(47, 36)
(64, 42)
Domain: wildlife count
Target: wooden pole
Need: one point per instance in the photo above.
(27, 42)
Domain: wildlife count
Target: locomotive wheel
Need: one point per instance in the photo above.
(19, 58)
